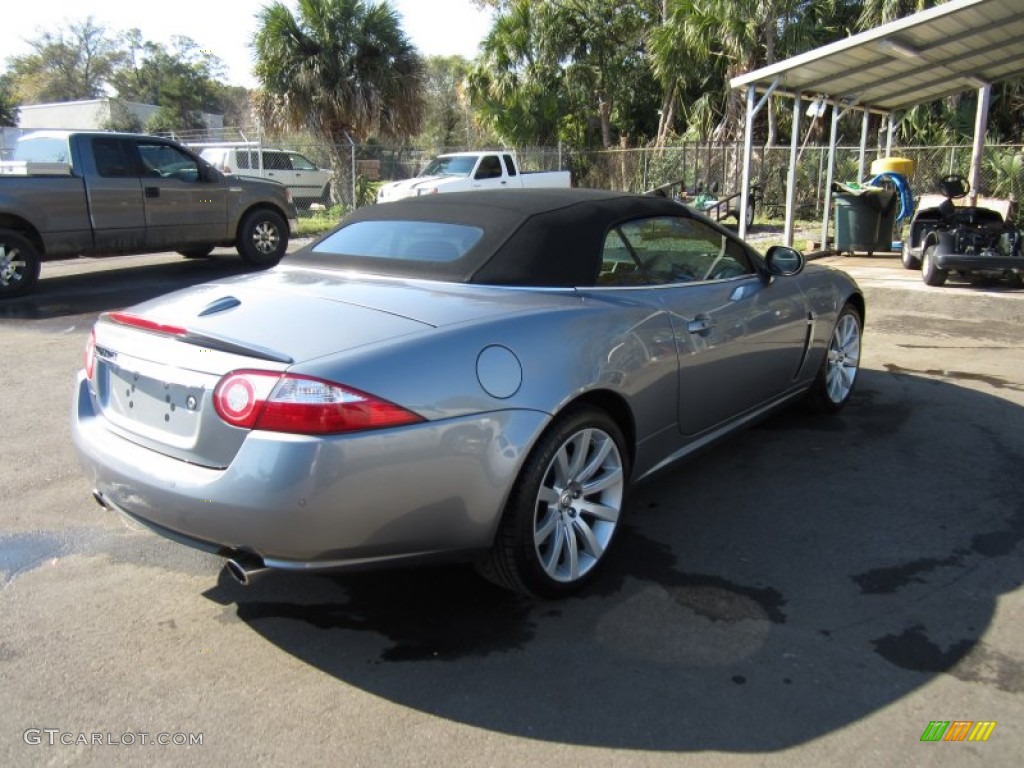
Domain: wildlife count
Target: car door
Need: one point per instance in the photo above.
(308, 181)
(740, 338)
(277, 167)
(489, 173)
(182, 205)
(114, 190)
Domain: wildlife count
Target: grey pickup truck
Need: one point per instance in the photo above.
(70, 193)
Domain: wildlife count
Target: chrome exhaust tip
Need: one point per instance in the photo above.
(245, 569)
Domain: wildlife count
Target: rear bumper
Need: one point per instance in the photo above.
(971, 262)
(305, 502)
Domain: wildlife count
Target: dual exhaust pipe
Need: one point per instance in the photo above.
(243, 567)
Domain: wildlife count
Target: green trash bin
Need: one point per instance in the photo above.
(859, 214)
(887, 224)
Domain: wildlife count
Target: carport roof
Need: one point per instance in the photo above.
(958, 46)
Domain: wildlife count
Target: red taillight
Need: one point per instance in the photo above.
(144, 323)
(301, 404)
(90, 355)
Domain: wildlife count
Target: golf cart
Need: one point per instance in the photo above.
(974, 241)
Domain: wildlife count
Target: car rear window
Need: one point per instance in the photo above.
(409, 241)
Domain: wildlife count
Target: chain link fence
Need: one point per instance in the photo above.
(357, 169)
(718, 167)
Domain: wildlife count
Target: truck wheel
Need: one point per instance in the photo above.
(930, 273)
(262, 238)
(19, 265)
(199, 252)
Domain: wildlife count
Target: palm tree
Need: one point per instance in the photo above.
(701, 44)
(517, 84)
(876, 12)
(341, 69)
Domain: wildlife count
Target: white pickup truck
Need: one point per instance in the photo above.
(464, 171)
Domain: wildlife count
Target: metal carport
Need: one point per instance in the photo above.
(954, 47)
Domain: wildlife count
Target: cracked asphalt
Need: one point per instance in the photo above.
(812, 591)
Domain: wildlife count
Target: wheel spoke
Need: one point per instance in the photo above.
(548, 495)
(591, 545)
(603, 483)
(603, 448)
(573, 553)
(561, 466)
(554, 555)
(600, 511)
(579, 454)
(546, 527)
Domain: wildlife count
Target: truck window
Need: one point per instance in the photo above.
(449, 165)
(510, 166)
(490, 168)
(165, 161)
(276, 161)
(43, 149)
(300, 163)
(113, 158)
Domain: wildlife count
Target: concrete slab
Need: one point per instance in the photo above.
(888, 285)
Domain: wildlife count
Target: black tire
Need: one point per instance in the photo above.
(930, 273)
(908, 259)
(19, 264)
(199, 252)
(833, 386)
(554, 535)
(262, 238)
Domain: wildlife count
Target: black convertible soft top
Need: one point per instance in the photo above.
(543, 237)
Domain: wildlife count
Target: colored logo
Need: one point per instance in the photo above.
(958, 730)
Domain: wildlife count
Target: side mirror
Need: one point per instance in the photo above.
(783, 261)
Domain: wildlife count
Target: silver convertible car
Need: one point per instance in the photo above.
(476, 375)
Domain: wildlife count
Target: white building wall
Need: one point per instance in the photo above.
(91, 115)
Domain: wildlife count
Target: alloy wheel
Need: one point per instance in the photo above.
(843, 358)
(578, 505)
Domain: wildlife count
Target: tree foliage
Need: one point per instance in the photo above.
(448, 119)
(87, 61)
(67, 64)
(571, 69)
(8, 104)
(183, 80)
(338, 68)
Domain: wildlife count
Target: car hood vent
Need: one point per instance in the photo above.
(220, 305)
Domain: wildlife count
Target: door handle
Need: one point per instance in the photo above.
(701, 324)
(152, 191)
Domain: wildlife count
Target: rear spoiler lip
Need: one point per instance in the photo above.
(186, 336)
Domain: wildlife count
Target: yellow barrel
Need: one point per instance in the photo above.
(901, 165)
